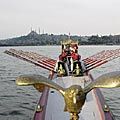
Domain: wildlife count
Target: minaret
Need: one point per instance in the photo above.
(39, 31)
(69, 36)
(43, 31)
(31, 29)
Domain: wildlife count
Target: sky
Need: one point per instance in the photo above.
(79, 17)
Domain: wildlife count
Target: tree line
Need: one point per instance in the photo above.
(34, 39)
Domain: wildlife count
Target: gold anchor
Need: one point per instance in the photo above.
(74, 96)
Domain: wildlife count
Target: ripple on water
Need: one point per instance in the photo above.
(18, 103)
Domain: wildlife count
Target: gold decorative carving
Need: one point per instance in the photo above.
(74, 96)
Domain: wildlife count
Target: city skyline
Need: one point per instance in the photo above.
(79, 17)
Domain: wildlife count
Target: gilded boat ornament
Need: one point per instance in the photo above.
(75, 95)
(39, 108)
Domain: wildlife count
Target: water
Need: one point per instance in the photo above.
(18, 103)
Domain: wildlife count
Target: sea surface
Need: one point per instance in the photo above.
(18, 102)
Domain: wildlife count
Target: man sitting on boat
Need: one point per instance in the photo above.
(76, 67)
(62, 64)
(69, 60)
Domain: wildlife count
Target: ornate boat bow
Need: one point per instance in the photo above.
(75, 95)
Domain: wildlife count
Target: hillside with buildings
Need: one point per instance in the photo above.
(36, 39)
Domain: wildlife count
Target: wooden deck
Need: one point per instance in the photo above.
(55, 105)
